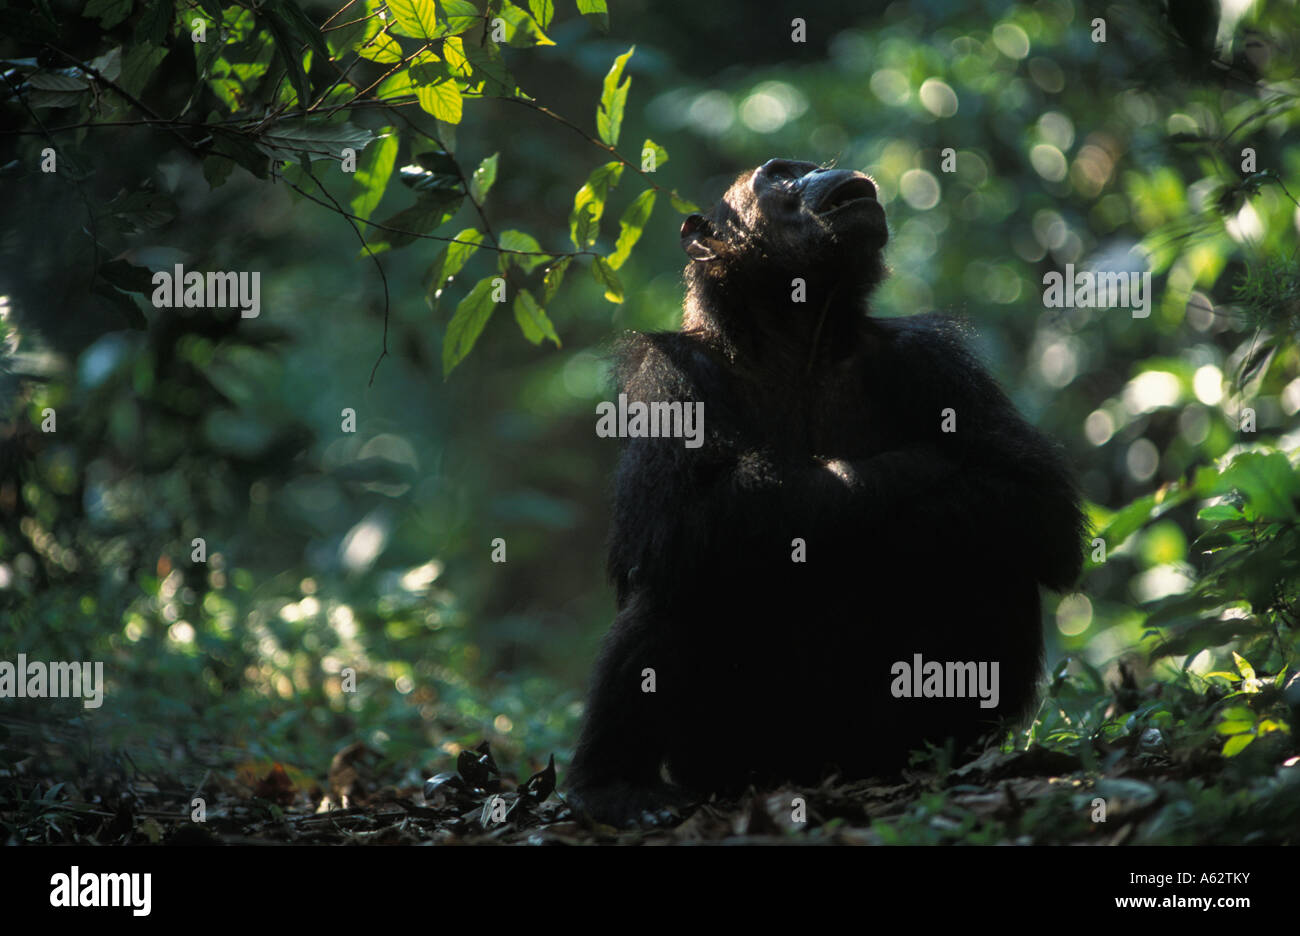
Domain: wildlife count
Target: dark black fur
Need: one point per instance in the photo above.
(820, 423)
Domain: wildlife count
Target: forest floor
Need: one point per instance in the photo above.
(1036, 796)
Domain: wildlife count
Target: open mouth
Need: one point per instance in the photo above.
(850, 190)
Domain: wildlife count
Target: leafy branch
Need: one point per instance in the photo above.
(263, 66)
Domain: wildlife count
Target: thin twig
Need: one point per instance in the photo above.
(437, 237)
(378, 266)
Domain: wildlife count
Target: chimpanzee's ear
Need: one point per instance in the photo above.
(697, 238)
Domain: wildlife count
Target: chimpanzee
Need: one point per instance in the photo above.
(864, 494)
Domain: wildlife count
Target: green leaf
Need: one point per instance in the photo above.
(607, 278)
(518, 240)
(659, 153)
(467, 324)
(54, 81)
(428, 69)
(441, 99)
(237, 72)
(458, 66)
(682, 205)
(155, 22)
(40, 99)
(141, 211)
(1184, 608)
(595, 12)
(449, 262)
(286, 44)
(242, 150)
(374, 169)
(521, 29)
(490, 67)
(1196, 637)
(585, 230)
(1243, 667)
(345, 37)
(415, 18)
(461, 16)
(326, 141)
(397, 85)
(301, 26)
(484, 178)
(543, 11)
(431, 211)
(205, 53)
(1268, 481)
(553, 277)
(139, 66)
(1126, 522)
(590, 201)
(110, 12)
(532, 319)
(1218, 513)
(1230, 727)
(1236, 744)
(613, 101)
(377, 46)
(631, 225)
(436, 170)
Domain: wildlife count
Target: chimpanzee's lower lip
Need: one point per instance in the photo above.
(848, 192)
(852, 202)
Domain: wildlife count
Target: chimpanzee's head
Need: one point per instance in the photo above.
(787, 220)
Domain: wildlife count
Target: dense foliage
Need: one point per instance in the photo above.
(395, 169)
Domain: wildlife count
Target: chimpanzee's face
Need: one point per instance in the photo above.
(791, 217)
(783, 197)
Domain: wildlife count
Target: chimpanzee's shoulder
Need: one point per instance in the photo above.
(933, 350)
(925, 334)
(671, 364)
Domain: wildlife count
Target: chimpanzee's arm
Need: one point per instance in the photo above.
(994, 481)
